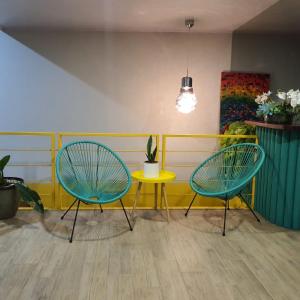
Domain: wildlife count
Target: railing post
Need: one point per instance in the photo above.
(59, 146)
(163, 153)
(53, 181)
(157, 145)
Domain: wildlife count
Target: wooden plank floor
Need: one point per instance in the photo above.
(186, 259)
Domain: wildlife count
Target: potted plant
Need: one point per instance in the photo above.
(12, 189)
(282, 108)
(293, 98)
(151, 166)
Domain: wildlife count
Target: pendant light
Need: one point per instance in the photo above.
(186, 100)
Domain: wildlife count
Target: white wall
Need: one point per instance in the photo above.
(109, 82)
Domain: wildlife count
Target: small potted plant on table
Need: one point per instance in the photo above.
(12, 189)
(151, 166)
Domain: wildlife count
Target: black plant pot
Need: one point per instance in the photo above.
(9, 198)
(296, 119)
(279, 119)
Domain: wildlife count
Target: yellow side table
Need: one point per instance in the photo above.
(164, 177)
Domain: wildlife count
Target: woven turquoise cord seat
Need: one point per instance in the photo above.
(226, 173)
(93, 174)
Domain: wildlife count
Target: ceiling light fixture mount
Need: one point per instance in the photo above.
(186, 100)
(189, 23)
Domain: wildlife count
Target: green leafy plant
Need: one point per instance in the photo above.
(3, 163)
(28, 195)
(237, 128)
(151, 155)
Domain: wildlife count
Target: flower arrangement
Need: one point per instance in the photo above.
(283, 107)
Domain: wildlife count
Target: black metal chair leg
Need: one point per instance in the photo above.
(190, 205)
(254, 214)
(68, 209)
(101, 208)
(126, 214)
(225, 210)
(74, 223)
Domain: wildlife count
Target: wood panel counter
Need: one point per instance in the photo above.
(277, 195)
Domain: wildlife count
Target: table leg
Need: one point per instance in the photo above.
(156, 194)
(163, 185)
(161, 196)
(137, 197)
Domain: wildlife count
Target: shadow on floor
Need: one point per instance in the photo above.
(9, 225)
(90, 225)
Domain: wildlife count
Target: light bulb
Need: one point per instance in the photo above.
(186, 100)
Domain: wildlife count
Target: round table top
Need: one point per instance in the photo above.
(164, 176)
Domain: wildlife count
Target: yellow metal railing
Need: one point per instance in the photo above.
(51, 150)
(182, 190)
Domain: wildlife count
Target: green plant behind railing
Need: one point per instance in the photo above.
(237, 128)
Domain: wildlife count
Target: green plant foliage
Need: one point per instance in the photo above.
(151, 155)
(28, 195)
(237, 128)
(273, 108)
(3, 162)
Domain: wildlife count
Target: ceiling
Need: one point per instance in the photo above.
(211, 16)
(283, 17)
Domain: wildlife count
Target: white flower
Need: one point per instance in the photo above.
(294, 97)
(294, 101)
(292, 93)
(281, 95)
(289, 93)
(261, 99)
(258, 99)
(298, 99)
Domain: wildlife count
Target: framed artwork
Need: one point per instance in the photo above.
(238, 93)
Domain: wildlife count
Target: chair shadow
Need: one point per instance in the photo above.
(90, 225)
(237, 220)
(213, 221)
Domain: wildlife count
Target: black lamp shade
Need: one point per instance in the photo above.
(186, 81)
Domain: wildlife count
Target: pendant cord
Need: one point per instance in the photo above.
(188, 59)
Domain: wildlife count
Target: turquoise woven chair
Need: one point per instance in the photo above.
(93, 174)
(225, 174)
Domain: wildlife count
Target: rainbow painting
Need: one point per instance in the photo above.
(238, 92)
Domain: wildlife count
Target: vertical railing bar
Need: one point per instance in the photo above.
(163, 160)
(59, 146)
(157, 145)
(53, 145)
